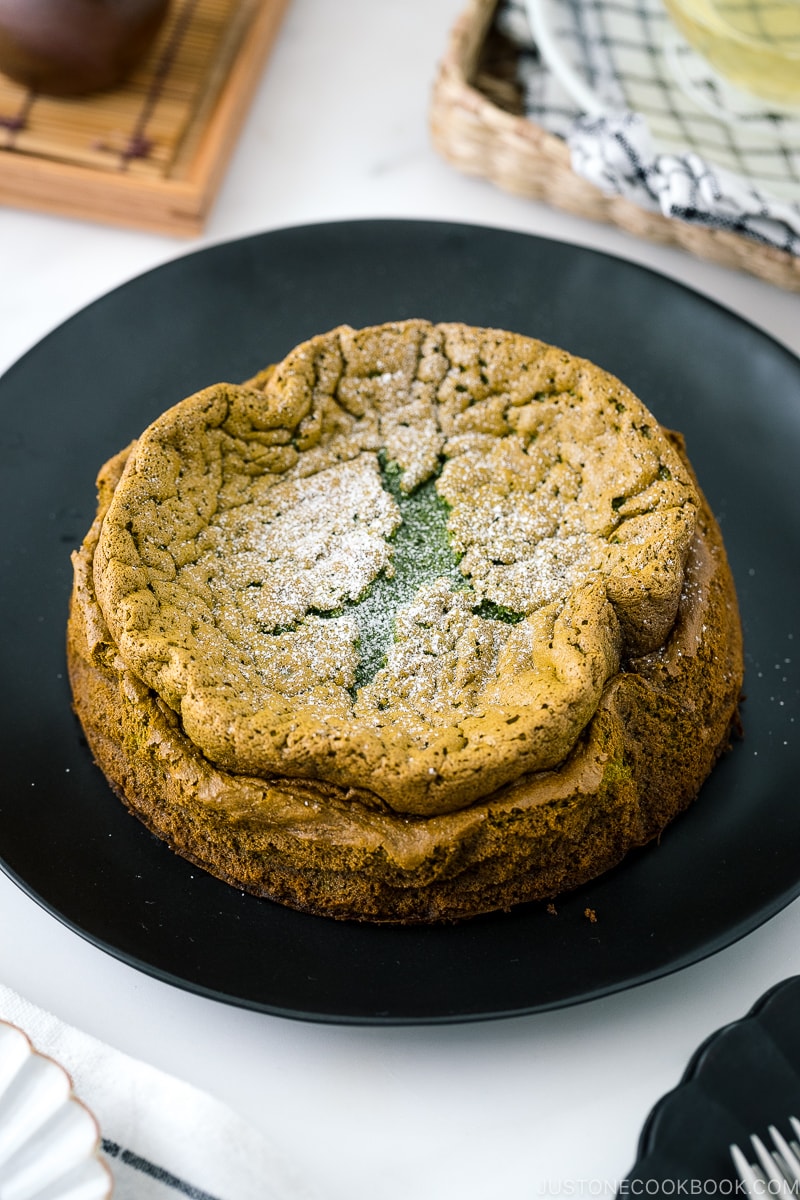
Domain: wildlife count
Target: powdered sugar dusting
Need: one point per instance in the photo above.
(310, 544)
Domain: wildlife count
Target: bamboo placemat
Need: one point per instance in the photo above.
(477, 125)
(151, 153)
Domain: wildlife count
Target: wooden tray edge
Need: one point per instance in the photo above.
(175, 207)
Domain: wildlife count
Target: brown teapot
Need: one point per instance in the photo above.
(71, 47)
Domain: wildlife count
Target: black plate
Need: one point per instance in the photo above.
(222, 313)
(743, 1079)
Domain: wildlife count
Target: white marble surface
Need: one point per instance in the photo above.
(544, 1105)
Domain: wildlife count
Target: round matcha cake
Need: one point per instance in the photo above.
(423, 622)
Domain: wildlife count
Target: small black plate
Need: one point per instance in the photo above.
(743, 1079)
(224, 312)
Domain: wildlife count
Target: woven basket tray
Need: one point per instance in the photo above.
(477, 125)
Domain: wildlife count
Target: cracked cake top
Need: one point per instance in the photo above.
(406, 560)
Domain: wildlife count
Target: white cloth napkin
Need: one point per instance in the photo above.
(617, 154)
(162, 1138)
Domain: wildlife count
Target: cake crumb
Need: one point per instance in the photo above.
(590, 915)
(551, 908)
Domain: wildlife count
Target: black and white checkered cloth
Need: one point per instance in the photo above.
(656, 135)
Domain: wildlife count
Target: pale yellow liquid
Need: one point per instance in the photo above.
(755, 44)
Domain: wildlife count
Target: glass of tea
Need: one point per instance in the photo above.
(754, 44)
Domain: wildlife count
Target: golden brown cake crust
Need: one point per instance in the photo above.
(237, 556)
(661, 722)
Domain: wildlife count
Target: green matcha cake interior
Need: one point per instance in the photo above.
(422, 553)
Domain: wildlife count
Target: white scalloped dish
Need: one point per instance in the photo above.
(49, 1141)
